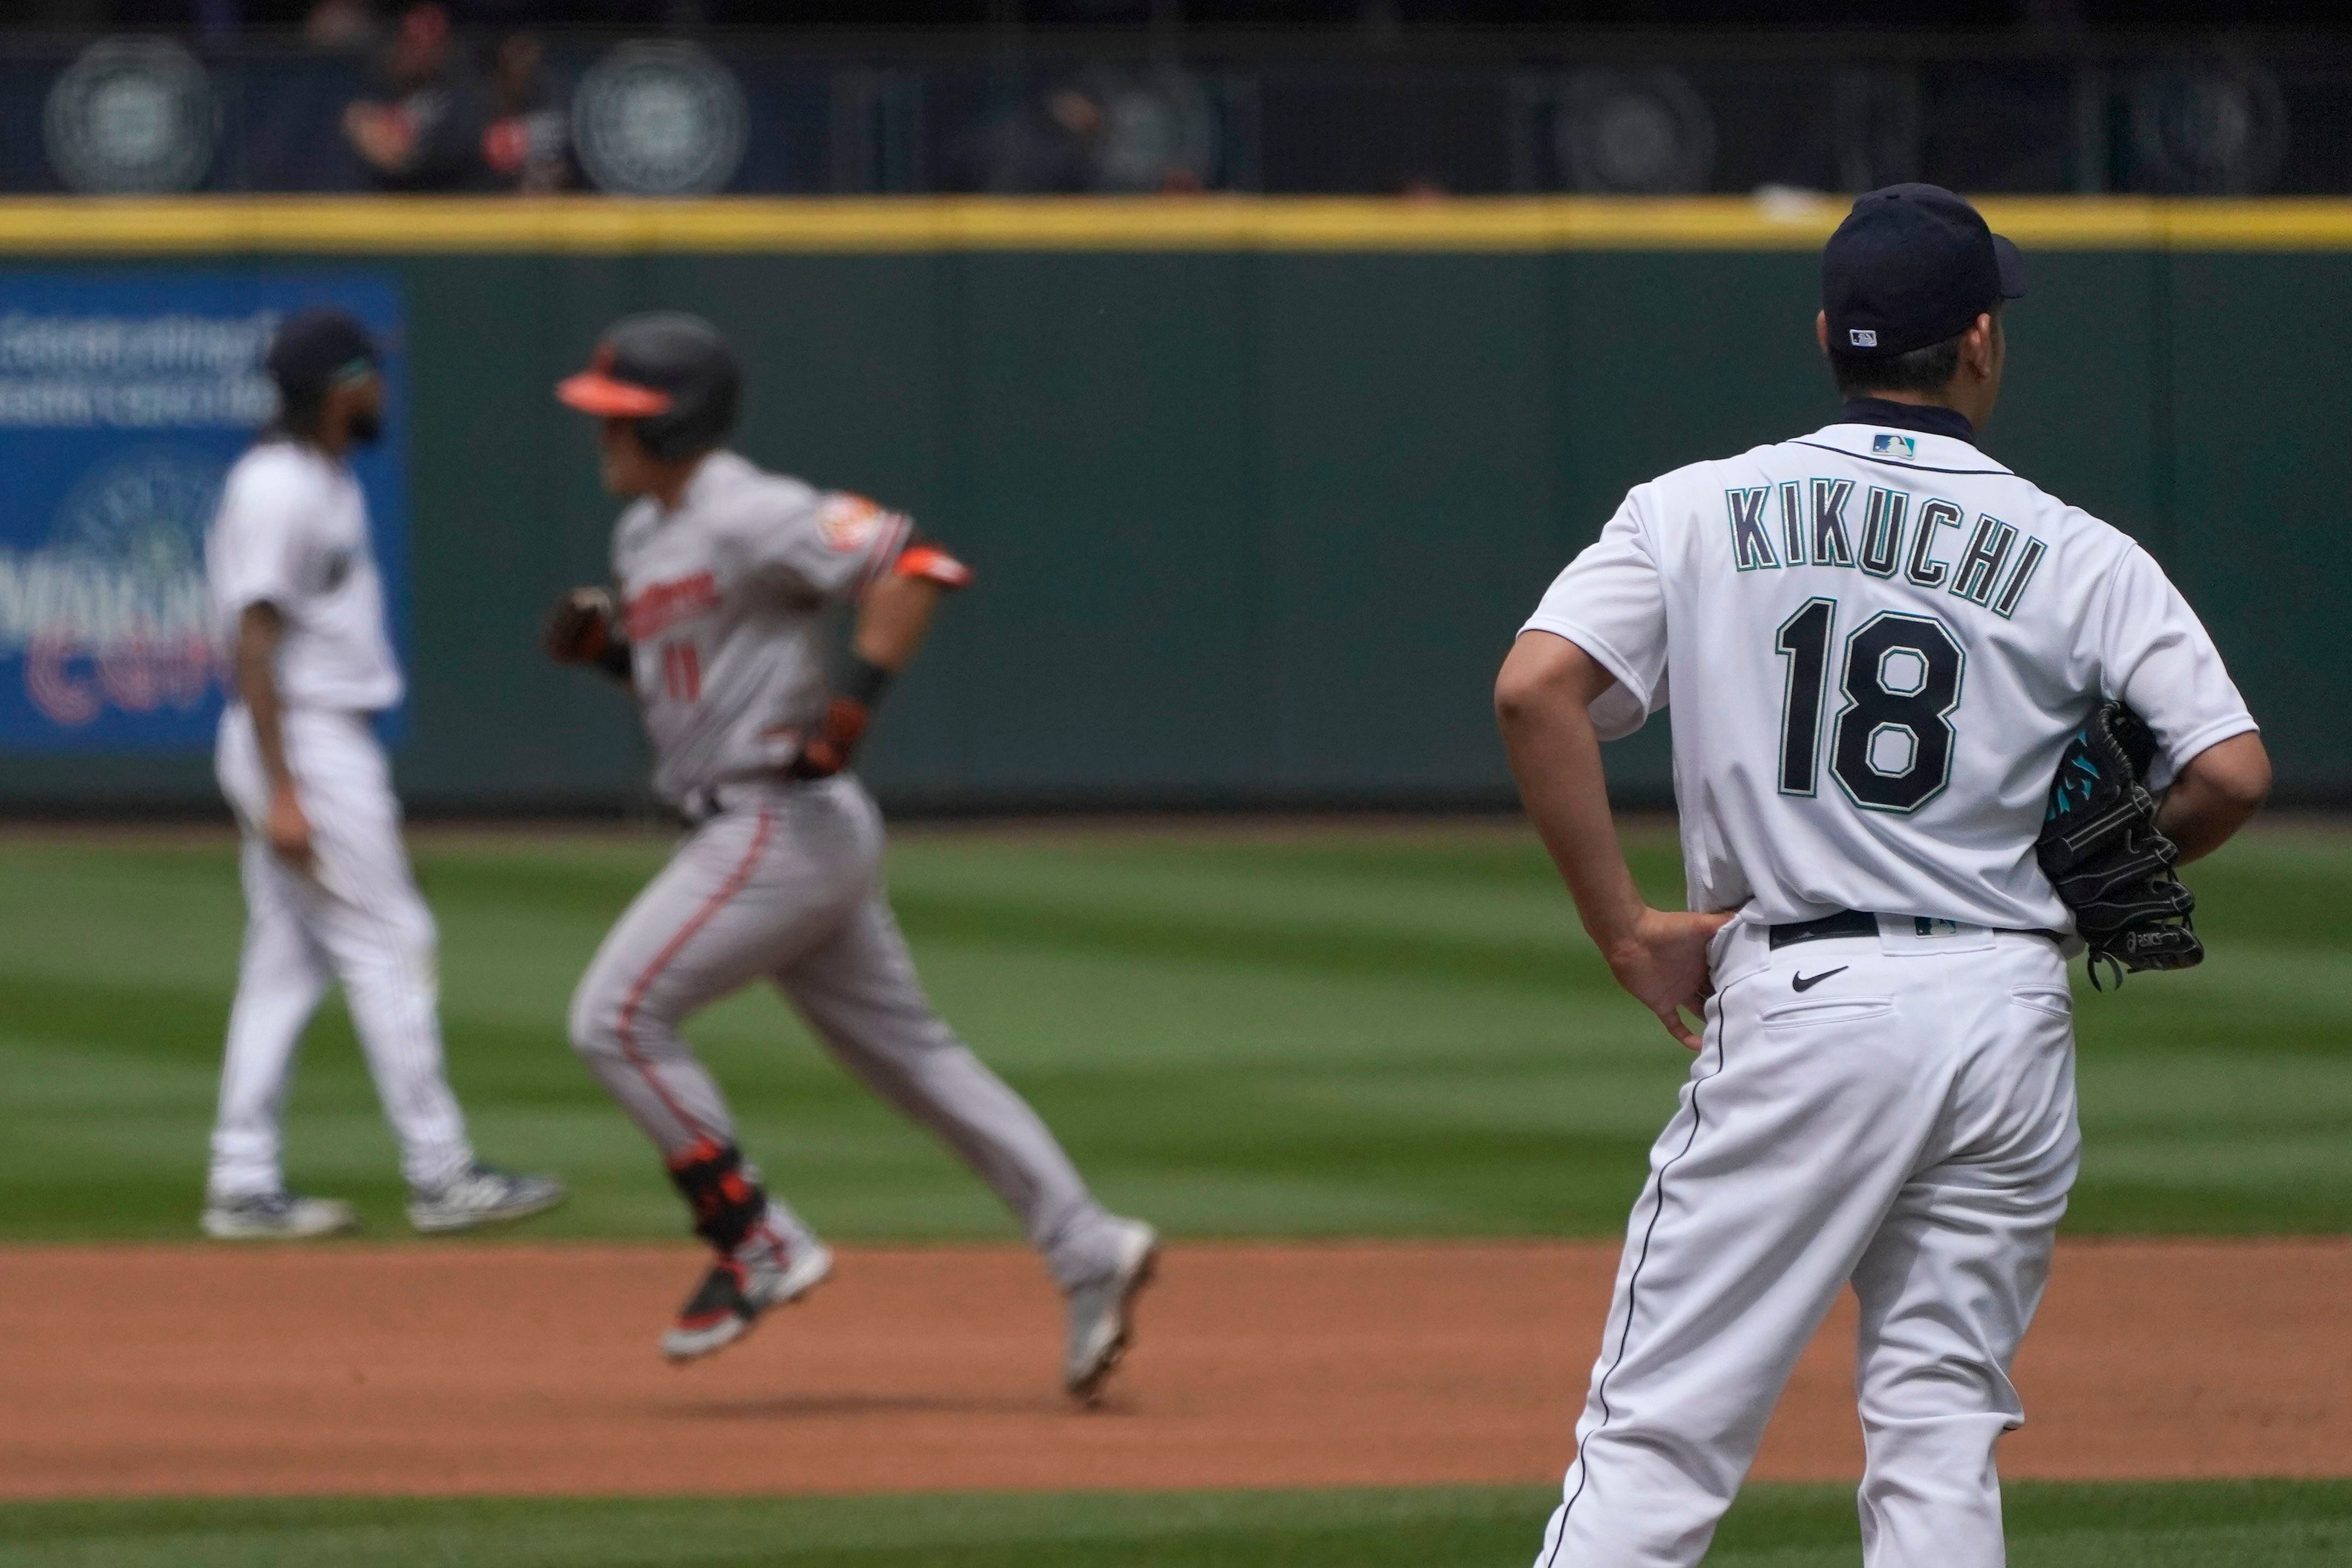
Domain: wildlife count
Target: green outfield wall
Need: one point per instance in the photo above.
(1258, 493)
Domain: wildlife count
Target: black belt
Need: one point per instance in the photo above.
(1861, 923)
(700, 803)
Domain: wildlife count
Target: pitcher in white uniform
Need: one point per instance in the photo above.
(329, 896)
(1879, 640)
(728, 579)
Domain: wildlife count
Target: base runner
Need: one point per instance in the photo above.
(1881, 644)
(328, 891)
(726, 576)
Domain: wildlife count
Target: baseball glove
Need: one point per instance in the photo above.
(2102, 850)
(577, 626)
(583, 628)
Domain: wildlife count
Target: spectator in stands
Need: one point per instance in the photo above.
(341, 26)
(527, 147)
(426, 133)
(1104, 131)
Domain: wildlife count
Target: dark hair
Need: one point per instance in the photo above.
(297, 417)
(1927, 370)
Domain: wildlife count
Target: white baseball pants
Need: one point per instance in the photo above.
(1905, 1123)
(357, 918)
(785, 884)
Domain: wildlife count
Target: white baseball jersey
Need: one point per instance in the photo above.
(292, 532)
(1879, 641)
(725, 601)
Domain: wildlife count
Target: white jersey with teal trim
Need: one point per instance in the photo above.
(1879, 641)
(292, 532)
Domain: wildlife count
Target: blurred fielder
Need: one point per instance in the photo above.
(727, 576)
(1883, 646)
(328, 891)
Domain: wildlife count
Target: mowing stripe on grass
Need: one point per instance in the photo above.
(2250, 1524)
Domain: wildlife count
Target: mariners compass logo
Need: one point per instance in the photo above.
(111, 611)
(133, 116)
(659, 119)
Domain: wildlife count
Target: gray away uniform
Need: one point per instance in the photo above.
(726, 602)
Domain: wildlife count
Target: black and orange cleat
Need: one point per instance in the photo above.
(740, 1288)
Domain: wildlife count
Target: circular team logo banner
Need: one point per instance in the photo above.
(126, 625)
(133, 116)
(1159, 130)
(2216, 130)
(1644, 133)
(659, 119)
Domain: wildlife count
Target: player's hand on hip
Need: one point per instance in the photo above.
(1663, 961)
(289, 829)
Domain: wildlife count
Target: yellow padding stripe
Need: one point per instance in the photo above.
(390, 224)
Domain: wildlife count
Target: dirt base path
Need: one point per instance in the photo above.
(506, 1369)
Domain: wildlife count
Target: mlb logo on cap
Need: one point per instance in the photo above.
(1910, 266)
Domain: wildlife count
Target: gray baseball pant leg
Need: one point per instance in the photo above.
(751, 888)
(859, 992)
(787, 885)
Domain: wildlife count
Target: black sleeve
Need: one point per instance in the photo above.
(614, 659)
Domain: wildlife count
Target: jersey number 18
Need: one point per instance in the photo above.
(1891, 745)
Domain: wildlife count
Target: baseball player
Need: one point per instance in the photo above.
(726, 576)
(328, 891)
(1879, 641)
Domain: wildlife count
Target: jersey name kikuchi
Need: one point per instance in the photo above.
(1993, 568)
(1877, 642)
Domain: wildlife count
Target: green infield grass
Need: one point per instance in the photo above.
(1368, 1030)
(2251, 1524)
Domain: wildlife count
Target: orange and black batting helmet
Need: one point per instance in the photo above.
(670, 373)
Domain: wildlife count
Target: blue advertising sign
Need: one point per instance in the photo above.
(123, 400)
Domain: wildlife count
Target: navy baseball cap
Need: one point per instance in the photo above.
(317, 347)
(1910, 266)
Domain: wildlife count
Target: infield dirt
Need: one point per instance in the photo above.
(509, 1369)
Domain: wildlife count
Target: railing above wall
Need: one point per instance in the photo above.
(772, 113)
(283, 225)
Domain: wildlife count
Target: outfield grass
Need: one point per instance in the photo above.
(1339, 1031)
(2262, 1524)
